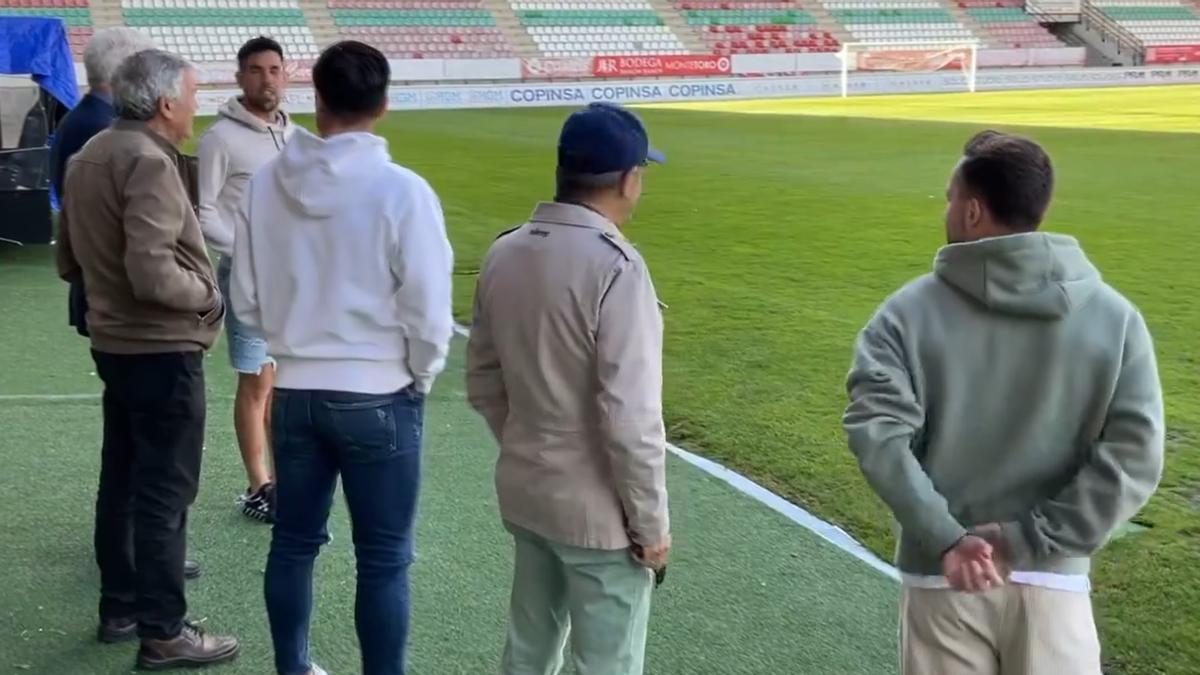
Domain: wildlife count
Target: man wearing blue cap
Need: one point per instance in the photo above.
(565, 364)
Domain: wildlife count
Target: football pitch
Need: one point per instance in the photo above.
(771, 237)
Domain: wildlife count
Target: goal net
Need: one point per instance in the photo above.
(909, 57)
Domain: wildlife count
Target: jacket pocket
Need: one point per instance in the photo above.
(214, 316)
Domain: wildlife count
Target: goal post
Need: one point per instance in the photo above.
(909, 57)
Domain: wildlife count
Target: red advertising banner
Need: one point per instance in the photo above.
(1173, 54)
(912, 59)
(667, 64)
(538, 68)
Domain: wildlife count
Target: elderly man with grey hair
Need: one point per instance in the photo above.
(129, 232)
(104, 52)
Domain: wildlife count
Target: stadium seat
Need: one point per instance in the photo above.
(753, 26)
(1011, 27)
(897, 20)
(588, 27)
(421, 29)
(72, 12)
(1155, 22)
(213, 30)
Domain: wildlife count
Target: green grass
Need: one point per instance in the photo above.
(748, 592)
(773, 237)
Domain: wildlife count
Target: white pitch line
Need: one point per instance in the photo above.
(50, 398)
(825, 530)
(19, 398)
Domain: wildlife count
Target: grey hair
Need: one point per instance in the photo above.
(143, 80)
(108, 48)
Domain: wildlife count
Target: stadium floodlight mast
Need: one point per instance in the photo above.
(909, 57)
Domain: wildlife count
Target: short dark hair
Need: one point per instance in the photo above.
(572, 187)
(1012, 175)
(352, 79)
(257, 45)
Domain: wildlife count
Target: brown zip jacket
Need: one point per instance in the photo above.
(129, 232)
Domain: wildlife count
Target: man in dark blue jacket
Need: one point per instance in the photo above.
(105, 51)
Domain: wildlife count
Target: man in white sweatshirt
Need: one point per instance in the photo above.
(341, 260)
(250, 129)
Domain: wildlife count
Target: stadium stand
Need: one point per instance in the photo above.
(1004, 23)
(898, 20)
(757, 27)
(596, 27)
(1155, 22)
(437, 28)
(74, 13)
(213, 30)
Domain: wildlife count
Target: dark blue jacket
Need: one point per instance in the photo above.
(93, 114)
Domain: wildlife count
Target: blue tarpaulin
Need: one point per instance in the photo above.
(38, 46)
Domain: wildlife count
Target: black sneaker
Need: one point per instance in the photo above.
(117, 630)
(260, 504)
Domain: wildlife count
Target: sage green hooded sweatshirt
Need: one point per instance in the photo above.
(1011, 385)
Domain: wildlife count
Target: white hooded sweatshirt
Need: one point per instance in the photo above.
(341, 260)
(230, 151)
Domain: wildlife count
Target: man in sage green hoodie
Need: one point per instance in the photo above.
(1008, 410)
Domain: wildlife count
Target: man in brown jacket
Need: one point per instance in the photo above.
(565, 364)
(129, 232)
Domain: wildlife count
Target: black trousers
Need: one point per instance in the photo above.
(154, 411)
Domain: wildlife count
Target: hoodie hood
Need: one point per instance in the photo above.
(234, 110)
(1035, 274)
(319, 176)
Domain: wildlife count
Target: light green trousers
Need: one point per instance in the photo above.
(601, 599)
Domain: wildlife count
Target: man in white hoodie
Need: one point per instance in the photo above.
(341, 260)
(250, 129)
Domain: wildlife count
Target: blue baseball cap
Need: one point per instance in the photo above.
(602, 138)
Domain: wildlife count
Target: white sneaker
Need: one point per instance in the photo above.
(317, 670)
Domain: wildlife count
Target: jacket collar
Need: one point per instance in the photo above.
(573, 215)
(187, 165)
(134, 125)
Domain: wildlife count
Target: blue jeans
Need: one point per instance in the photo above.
(374, 442)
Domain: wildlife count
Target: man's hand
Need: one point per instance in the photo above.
(969, 565)
(993, 534)
(653, 557)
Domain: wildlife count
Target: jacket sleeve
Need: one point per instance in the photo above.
(156, 206)
(629, 373)
(64, 255)
(243, 285)
(214, 171)
(881, 421)
(424, 263)
(485, 379)
(1121, 472)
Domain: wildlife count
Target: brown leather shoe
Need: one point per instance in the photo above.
(191, 648)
